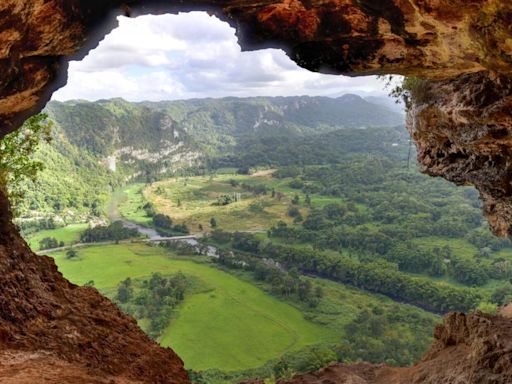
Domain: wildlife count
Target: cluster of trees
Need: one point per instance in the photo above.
(17, 163)
(372, 244)
(377, 276)
(388, 192)
(288, 284)
(322, 148)
(227, 199)
(502, 295)
(113, 232)
(86, 187)
(153, 299)
(321, 234)
(162, 221)
(164, 224)
(49, 243)
(410, 257)
(375, 336)
(257, 189)
(485, 241)
(38, 224)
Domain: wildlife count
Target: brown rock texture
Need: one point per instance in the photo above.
(463, 132)
(77, 330)
(461, 122)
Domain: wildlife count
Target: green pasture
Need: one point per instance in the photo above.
(69, 234)
(233, 326)
(192, 201)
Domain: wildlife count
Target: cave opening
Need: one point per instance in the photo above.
(137, 118)
(298, 246)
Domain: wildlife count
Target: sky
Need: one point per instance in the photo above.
(193, 55)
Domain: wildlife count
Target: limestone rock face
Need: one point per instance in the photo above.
(463, 132)
(461, 123)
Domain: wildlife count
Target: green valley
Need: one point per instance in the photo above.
(311, 235)
(231, 326)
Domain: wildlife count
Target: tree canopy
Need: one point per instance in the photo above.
(17, 163)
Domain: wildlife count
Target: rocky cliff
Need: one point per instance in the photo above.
(44, 317)
(461, 124)
(462, 128)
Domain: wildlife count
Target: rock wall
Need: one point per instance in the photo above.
(463, 132)
(462, 129)
(42, 314)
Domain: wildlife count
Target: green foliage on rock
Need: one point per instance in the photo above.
(18, 164)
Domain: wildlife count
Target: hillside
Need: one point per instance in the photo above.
(159, 129)
(97, 146)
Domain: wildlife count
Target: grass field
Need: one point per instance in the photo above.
(128, 203)
(192, 201)
(234, 326)
(69, 235)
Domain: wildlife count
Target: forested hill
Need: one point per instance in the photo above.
(97, 146)
(208, 125)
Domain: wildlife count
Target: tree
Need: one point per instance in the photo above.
(293, 211)
(224, 200)
(17, 164)
(319, 292)
(125, 291)
(71, 254)
(296, 183)
(502, 295)
(149, 209)
(162, 221)
(213, 222)
(296, 199)
(115, 231)
(48, 243)
(233, 182)
(489, 308)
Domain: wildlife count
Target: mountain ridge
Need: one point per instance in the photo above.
(107, 142)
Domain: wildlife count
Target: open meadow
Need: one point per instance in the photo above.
(69, 235)
(231, 326)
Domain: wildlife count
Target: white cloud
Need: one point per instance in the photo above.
(192, 55)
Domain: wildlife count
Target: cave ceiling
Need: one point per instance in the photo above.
(462, 47)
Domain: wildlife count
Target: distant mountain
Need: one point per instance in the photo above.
(386, 101)
(107, 127)
(107, 142)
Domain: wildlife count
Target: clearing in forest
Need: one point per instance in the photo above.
(237, 202)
